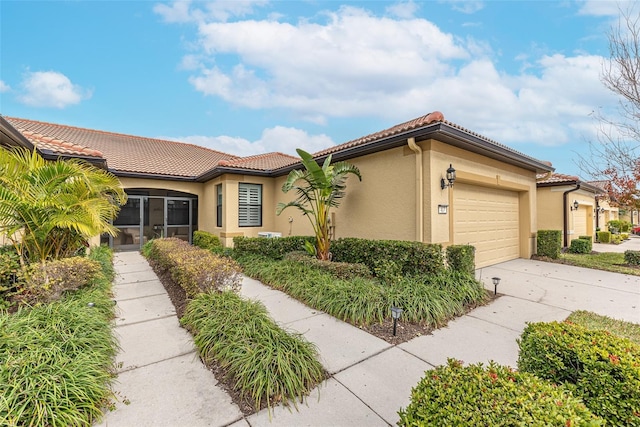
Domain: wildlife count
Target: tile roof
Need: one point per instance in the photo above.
(261, 162)
(422, 121)
(124, 153)
(556, 178)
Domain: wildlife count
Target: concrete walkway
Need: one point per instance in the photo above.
(371, 379)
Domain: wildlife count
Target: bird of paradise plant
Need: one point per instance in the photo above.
(319, 189)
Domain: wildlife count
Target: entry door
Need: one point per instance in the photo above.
(130, 225)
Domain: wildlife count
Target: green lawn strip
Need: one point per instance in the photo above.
(607, 261)
(594, 321)
(267, 364)
(58, 358)
(428, 299)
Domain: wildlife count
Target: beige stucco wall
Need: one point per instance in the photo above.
(550, 210)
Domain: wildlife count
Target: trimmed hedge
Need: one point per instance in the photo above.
(196, 270)
(601, 368)
(616, 239)
(265, 362)
(495, 395)
(581, 246)
(275, 248)
(589, 238)
(45, 282)
(206, 240)
(411, 258)
(604, 236)
(632, 257)
(624, 236)
(461, 258)
(549, 243)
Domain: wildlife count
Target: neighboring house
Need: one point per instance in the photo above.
(569, 204)
(608, 207)
(175, 188)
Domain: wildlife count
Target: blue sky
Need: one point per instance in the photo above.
(248, 77)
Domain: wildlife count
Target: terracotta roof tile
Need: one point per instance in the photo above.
(262, 162)
(556, 178)
(124, 153)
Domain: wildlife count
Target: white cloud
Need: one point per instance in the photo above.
(331, 69)
(219, 10)
(352, 63)
(4, 87)
(466, 6)
(50, 89)
(279, 138)
(602, 7)
(404, 10)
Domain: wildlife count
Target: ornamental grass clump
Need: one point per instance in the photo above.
(495, 395)
(57, 359)
(266, 364)
(196, 270)
(601, 368)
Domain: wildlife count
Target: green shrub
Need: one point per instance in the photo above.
(196, 270)
(9, 270)
(615, 226)
(625, 226)
(495, 395)
(57, 358)
(411, 257)
(549, 243)
(206, 240)
(45, 282)
(632, 257)
(341, 270)
(264, 362)
(589, 238)
(275, 248)
(601, 368)
(461, 258)
(604, 236)
(616, 239)
(624, 236)
(580, 246)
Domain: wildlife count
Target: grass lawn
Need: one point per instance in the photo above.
(606, 261)
(617, 327)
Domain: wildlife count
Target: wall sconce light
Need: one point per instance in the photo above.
(496, 282)
(395, 313)
(451, 177)
(575, 205)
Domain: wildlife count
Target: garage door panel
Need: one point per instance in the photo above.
(580, 221)
(489, 220)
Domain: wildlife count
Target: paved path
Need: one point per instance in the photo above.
(371, 379)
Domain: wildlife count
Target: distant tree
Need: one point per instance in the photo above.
(615, 156)
(50, 209)
(319, 189)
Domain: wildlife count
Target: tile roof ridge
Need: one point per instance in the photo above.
(104, 132)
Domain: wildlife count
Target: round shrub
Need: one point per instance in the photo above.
(580, 246)
(601, 368)
(47, 281)
(495, 395)
(206, 240)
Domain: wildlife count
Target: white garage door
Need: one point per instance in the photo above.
(488, 219)
(579, 222)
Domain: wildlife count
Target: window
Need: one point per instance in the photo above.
(249, 205)
(219, 205)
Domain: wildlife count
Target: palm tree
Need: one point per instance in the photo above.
(320, 189)
(50, 209)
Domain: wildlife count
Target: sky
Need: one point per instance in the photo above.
(250, 77)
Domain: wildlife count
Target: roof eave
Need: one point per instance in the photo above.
(583, 185)
(219, 171)
(127, 174)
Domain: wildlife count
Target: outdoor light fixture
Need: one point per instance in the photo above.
(496, 282)
(451, 176)
(395, 313)
(575, 205)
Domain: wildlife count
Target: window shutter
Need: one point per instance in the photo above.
(249, 205)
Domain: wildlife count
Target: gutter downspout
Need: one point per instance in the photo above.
(564, 211)
(411, 142)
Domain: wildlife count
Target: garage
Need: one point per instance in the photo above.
(488, 219)
(580, 222)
